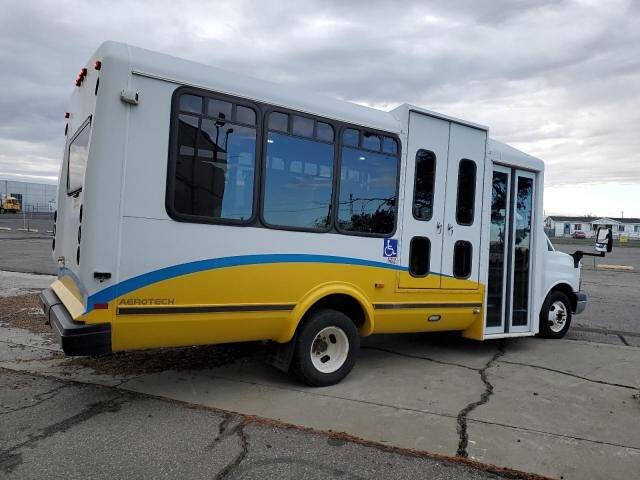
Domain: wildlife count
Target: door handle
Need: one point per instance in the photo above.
(450, 228)
(438, 227)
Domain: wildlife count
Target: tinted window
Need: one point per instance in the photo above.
(298, 182)
(389, 145)
(245, 115)
(522, 249)
(324, 132)
(466, 192)
(419, 253)
(462, 259)
(497, 247)
(423, 185)
(371, 142)
(350, 137)
(279, 121)
(78, 154)
(214, 169)
(219, 108)
(302, 126)
(191, 103)
(368, 182)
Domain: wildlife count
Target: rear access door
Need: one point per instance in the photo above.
(442, 204)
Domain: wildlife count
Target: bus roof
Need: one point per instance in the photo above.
(506, 154)
(184, 72)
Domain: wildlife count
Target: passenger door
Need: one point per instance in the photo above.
(463, 208)
(424, 199)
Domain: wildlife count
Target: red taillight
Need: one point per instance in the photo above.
(67, 114)
(100, 306)
(97, 65)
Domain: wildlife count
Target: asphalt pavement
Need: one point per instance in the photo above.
(565, 409)
(58, 429)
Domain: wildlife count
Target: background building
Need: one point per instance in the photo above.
(560, 226)
(33, 197)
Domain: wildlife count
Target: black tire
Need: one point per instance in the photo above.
(547, 329)
(302, 364)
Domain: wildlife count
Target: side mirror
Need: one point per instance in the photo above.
(604, 240)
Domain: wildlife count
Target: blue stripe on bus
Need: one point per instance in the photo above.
(122, 288)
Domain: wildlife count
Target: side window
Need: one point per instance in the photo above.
(368, 184)
(214, 160)
(424, 185)
(466, 192)
(462, 251)
(298, 175)
(78, 155)
(419, 255)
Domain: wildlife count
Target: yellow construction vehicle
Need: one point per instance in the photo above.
(9, 205)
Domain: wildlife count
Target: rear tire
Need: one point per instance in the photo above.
(327, 347)
(555, 316)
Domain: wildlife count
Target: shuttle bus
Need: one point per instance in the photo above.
(198, 206)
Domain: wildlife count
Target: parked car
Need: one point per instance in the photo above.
(579, 234)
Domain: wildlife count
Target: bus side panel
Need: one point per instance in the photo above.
(190, 283)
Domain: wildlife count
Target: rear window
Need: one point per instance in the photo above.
(78, 153)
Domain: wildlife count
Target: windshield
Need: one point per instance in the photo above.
(549, 244)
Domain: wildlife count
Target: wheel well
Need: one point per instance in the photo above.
(342, 303)
(568, 291)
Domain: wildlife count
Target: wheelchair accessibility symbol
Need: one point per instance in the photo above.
(390, 248)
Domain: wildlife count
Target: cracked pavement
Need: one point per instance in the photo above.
(555, 408)
(565, 409)
(59, 429)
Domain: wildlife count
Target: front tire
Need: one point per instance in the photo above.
(555, 316)
(327, 347)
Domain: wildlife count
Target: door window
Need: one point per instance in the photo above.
(424, 185)
(419, 253)
(466, 192)
(497, 248)
(462, 255)
(522, 250)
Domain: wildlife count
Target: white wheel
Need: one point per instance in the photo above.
(557, 316)
(329, 349)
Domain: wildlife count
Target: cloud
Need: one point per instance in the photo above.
(558, 79)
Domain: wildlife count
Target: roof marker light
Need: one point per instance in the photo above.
(97, 65)
(67, 114)
(80, 78)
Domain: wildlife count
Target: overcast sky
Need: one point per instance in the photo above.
(557, 79)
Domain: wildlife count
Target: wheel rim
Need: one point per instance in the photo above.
(557, 316)
(329, 349)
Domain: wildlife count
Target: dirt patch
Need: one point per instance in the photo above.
(159, 360)
(23, 312)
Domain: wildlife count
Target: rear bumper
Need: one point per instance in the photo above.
(581, 302)
(75, 338)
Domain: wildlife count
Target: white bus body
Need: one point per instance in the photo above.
(197, 206)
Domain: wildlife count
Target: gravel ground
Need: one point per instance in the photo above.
(23, 312)
(162, 359)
